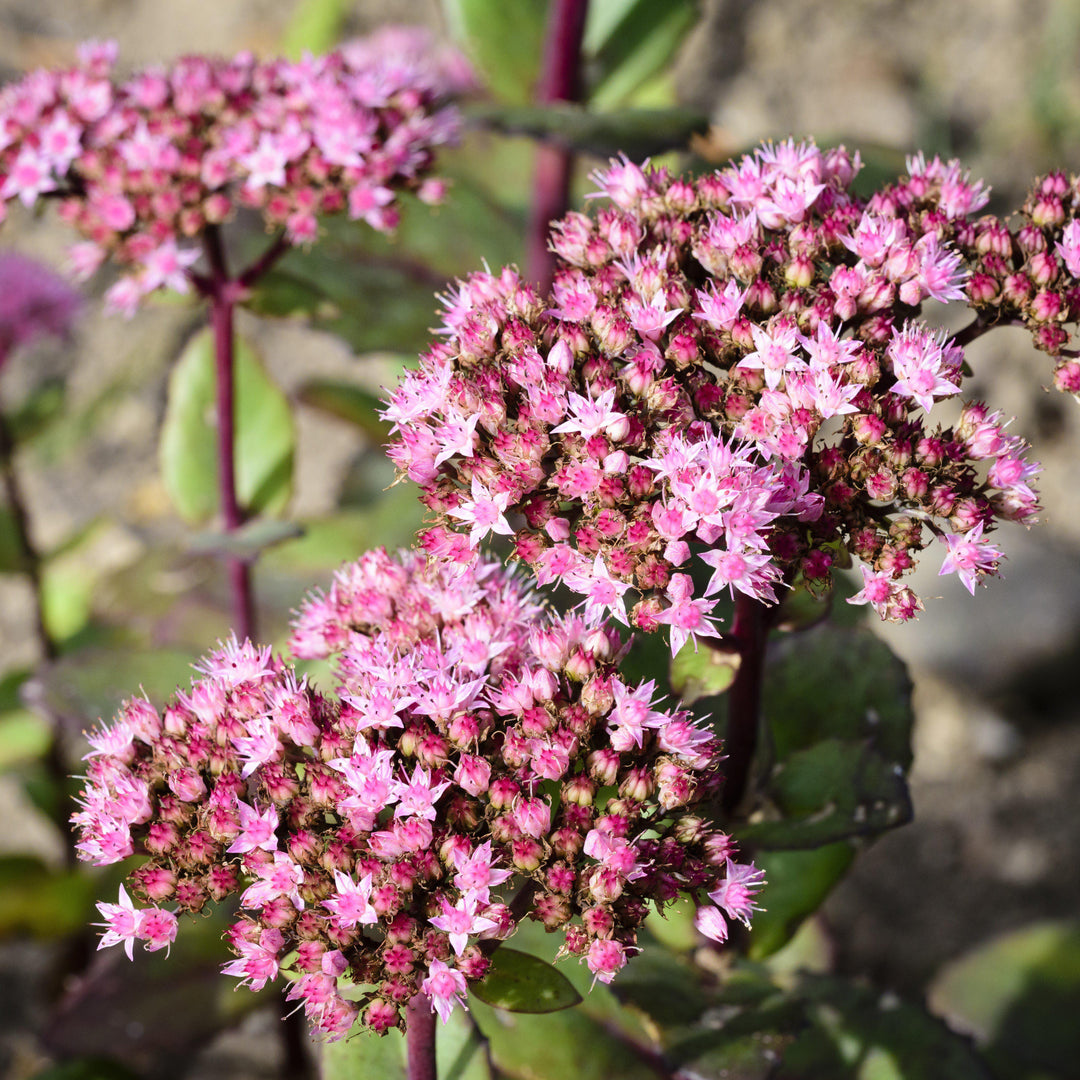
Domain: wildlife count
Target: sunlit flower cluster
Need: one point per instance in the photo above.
(730, 373)
(478, 763)
(141, 167)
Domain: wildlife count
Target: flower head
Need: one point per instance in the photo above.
(509, 759)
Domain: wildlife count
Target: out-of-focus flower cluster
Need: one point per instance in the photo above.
(142, 166)
(479, 763)
(34, 303)
(731, 367)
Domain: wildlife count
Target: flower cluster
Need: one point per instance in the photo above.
(732, 368)
(142, 167)
(478, 764)
(34, 303)
(1027, 274)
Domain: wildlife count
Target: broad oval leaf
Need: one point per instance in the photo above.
(520, 983)
(798, 881)
(459, 1051)
(1019, 995)
(703, 669)
(504, 41)
(628, 42)
(265, 439)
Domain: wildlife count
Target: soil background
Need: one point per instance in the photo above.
(996, 780)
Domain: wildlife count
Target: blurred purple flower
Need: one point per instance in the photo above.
(34, 302)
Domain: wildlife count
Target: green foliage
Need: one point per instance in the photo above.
(638, 133)
(1020, 996)
(755, 1025)
(12, 557)
(265, 438)
(518, 982)
(91, 682)
(703, 668)
(315, 27)
(798, 882)
(41, 407)
(837, 705)
(347, 402)
(504, 42)
(39, 900)
(629, 42)
(459, 1051)
(247, 542)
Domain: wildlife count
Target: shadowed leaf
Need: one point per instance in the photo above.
(264, 443)
(518, 982)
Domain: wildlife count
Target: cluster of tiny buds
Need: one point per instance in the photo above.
(1028, 273)
(478, 763)
(731, 368)
(144, 166)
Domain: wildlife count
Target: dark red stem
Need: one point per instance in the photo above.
(20, 519)
(560, 80)
(750, 631)
(222, 291)
(420, 1039)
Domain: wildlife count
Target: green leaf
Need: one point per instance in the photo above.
(38, 900)
(247, 542)
(832, 791)
(12, 557)
(24, 736)
(831, 683)
(555, 1046)
(674, 926)
(316, 27)
(520, 983)
(85, 685)
(264, 443)
(703, 669)
(639, 133)
(666, 988)
(1019, 995)
(798, 882)
(504, 41)
(43, 405)
(364, 1055)
(628, 42)
(818, 1028)
(347, 402)
(802, 607)
(459, 1054)
(864, 1034)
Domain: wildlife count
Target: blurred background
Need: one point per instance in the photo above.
(996, 779)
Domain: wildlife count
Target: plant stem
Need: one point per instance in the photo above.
(420, 1039)
(29, 555)
(560, 78)
(750, 631)
(221, 291)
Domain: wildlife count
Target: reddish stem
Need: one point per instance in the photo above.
(221, 291)
(420, 1039)
(750, 631)
(20, 519)
(560, 77)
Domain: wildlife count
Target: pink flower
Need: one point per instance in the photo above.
(446, 988)
(969, 556)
